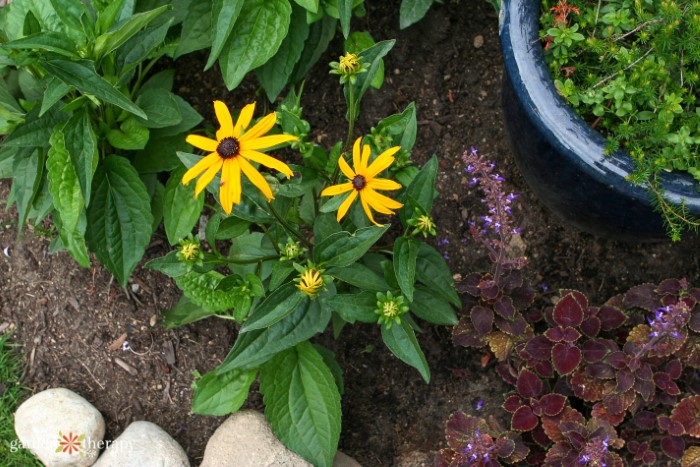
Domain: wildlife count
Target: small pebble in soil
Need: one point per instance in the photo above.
(478, 41)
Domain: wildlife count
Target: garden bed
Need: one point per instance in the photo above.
(66, 318)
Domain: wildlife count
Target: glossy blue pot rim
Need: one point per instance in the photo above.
(523, 58)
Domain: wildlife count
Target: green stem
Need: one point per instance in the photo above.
(289, 227)
(272, 240)
(142, 74)
(247, 261)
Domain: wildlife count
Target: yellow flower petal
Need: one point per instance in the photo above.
(244, 119)
(343, 209)
(374, 202)
(255, 177)
(223, 115)
(235, 181)
(337, 189)
(345, 168)
(259, 129)
(383, 184)
(267, 161)
(364, 160)
(202, 142)
(384, 200)
(199, 167)
(267, 141)
(367, 209)
(356, 151)
(208, 176)
(384, 160)
(224, 189)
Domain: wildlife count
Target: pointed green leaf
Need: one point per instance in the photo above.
(55, 90)
(222, 394)
(224, 14)
(181, 209)
(343, 248)
(302, 403)
(310, 5)
(26, 173)
(320, 35)
(405, 255)
(412, 11)
(432, 308)
(160, 107)
(263, 26)
(401, 340)
(46, 41)
(280, 272)
(432, 270)
(202, 289)
(169, 265)
(254, 348)
(81, 142)
(83, 76)
(119, 216)
(36, 130)
(276, 307)
(185, 312)
(360, 276)
(63, 182)
(140, 47)
(355, 307)
(345, 13)
(196, 29)
(110, 41)
(373, 58)
(131, 135)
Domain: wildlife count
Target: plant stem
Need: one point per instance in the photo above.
(267, 232)
(608, 78)
(289, 227)
(223, 259)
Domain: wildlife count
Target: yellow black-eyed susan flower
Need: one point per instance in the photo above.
(310, 282)
(363, 182)
(233, 150)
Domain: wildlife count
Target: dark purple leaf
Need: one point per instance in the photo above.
(687, 414)
(522, 296)
(600, 371)
(539, 347)
(505, 373)
(610, 317)
(625, 381)
(540, 437)
(552, 404)
(617, 360)
(463, 334)
(644, 372)
(673, 447)
(504, 307)
(568, 311)
(672, 389)
(504, 447)
(469, 284)
(516, 327)
(645, 388)
(543, 368)
(662, 380)
(512, 280)
(555, 334)
(488, 289)
(512, 403)
(482, 320)
(649, 457)
(529, 384)
(458, 429)
(523, 419)
(565, 358)
(570, 334)
(694, 322)
(641, 296)
(645, 420)
(591, 326)
(579, 296)
(669, 287)
(674, 368)
(593, 350)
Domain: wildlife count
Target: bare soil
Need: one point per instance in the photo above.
(66, 317)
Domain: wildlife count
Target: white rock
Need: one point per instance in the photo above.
(143, 444)
(245, 439)
(59, 417)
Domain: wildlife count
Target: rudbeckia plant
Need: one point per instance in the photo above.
(304, 237)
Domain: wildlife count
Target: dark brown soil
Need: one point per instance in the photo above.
(450, 65)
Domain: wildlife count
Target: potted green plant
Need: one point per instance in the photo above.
(569, 164)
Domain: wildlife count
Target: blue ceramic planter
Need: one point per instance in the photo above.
(560, 156)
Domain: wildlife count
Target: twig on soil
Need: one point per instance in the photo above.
(126, 367)
(93, 376)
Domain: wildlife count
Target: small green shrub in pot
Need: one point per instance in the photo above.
(631, 70)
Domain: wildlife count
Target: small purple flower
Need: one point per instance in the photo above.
(442, 242)
(512, 196)
(498, 178)
(473, 181)
(480, 404)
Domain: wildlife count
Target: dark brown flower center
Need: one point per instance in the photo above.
(228, 147)
(359, 182)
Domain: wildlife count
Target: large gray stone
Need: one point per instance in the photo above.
(245, 439)
(143, 444)
(56, 418)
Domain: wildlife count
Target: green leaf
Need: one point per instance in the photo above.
(26, 172)
(355, 307)
(280, 272)
(373, 58)
(46, 41)
(345, 13)
(360, 276)
(356, 43)
(138, 48)
(310, 5)
(202, 289)
(81, 142)
(55, 90)
(7, 99)
(401, 127)
(110, 41)
(106, 17)
(412, 11)
(277, 71)
(320, 35)
(181, 209)
(254, 348)
(432, 270)
(189, 119)
(278, 305)
(131, 135)
(157, 194)
(222, 394)
(36, 130)
(302, 403)
(421, 192)
(70, 12)
(401, 341)
(332, 364)
(405, 255)
(263, 26)
(12, 18)
(74, 240)
(83, 76)
(231, 227)
(160, 107)
(185, 312)
(63, 182)
(160, 153)
(432, 308)
(343, 248)
(169, 265)
(119, 216)
(224, 14)
(196, 29)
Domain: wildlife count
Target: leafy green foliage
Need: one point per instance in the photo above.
(631, 70)
(86, 105)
